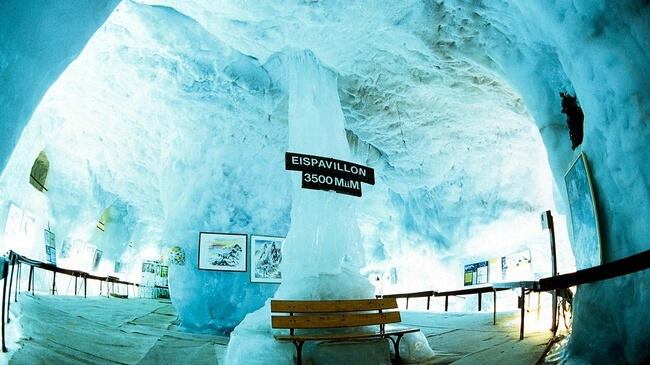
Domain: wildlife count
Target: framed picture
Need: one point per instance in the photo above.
(476, 273)
(584, 220)
(97, 257)
(222, 251)
(50, 247)
(517, 266)
(119, 266)
(266, 256)
(66, 247)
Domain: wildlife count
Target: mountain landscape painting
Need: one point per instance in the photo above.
(266, 257)
(222, 252)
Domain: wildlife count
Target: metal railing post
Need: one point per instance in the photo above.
(31, 274)
(5, 268)
(523, 312)
(494, 307)
(17, 282)
(12, 258)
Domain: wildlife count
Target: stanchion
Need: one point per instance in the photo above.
(33, 280)
(523, 313)
(17, 282)
(547, 222)
(4, 266)
(494, 307)
(31, 275)
(12, 259)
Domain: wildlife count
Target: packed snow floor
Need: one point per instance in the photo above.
(471, 338)
(100, 330)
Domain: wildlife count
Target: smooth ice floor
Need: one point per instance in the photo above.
(100, 330)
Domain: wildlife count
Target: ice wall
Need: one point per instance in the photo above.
(33, 53)
(175, 133)
(599, 50)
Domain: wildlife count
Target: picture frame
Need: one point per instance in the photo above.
(50, 247)
(584, 218)
(222, 251)
(266, 257)
(97, 257)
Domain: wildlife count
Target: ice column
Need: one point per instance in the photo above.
(323, 252)
(323, 242)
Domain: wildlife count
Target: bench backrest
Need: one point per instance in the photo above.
(305, 314)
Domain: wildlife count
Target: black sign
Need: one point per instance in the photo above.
(322, 173)
(329, 166)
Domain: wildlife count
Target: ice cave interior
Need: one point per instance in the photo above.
(130, 127)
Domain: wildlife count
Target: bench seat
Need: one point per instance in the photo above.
(328, 314)
(344, 336)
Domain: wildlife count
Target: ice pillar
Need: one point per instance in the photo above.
(323, 252)
(323, 242)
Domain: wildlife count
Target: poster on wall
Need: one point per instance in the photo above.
(66, 247)
(266, 256)
(12, 233)
(86, 252)
(119, 267)
(476, 273)
(584, 220)
(517, 267)
(222, 251)
(97, 257)
(154, 279)
(50, 247)
(149, 267)
(28, 230)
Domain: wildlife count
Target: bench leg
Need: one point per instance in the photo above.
(396, 346)
(298, 345)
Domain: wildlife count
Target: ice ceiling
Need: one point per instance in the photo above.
(174, 117)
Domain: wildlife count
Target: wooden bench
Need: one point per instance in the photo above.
(328, 314)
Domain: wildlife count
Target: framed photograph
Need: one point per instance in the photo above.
(266, 256)
(584, 220)
(222, 251)
(119, 267)
(50, 247)
(476, 273)
(97, 257)
(66, 247)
